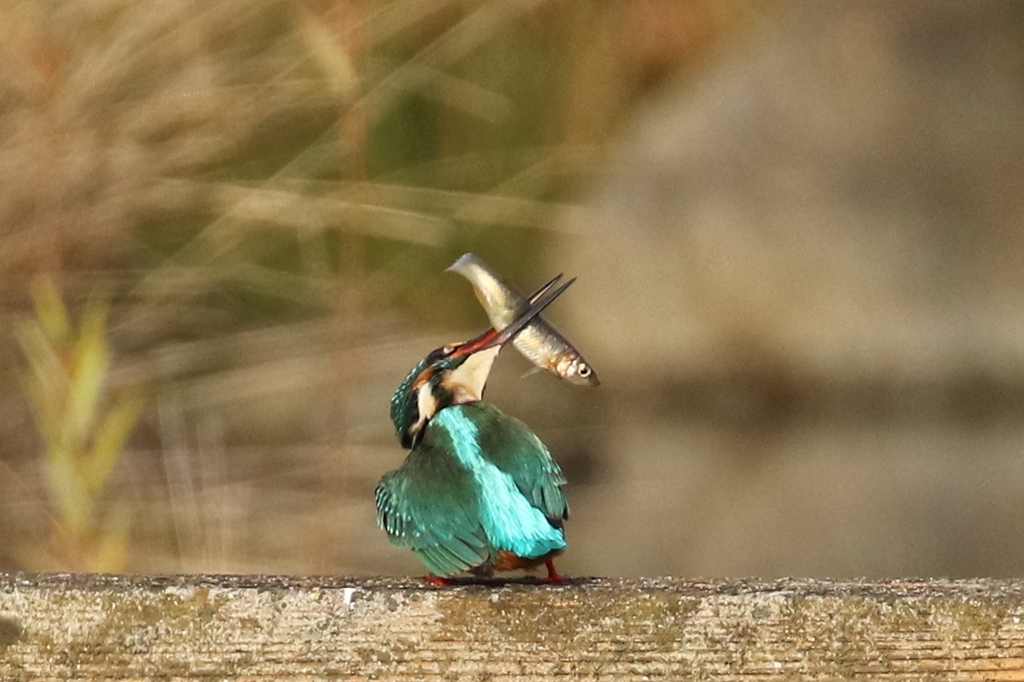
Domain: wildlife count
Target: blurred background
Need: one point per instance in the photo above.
(797, 228)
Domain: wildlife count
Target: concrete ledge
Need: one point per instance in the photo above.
(77, 627)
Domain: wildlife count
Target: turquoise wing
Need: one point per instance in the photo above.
(430, 506)
(511, 512)
(512, 447)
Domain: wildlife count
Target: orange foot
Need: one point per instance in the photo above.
(553, 576)
(437, 580)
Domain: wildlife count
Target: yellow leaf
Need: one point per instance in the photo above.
(110, 439)
(50, 311)
(110, 553)
(91, 363)
(73, 501)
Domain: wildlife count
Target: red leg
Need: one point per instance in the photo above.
(437, 580)
(553, 576)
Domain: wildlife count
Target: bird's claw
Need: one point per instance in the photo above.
(553, 575)
(437, 581)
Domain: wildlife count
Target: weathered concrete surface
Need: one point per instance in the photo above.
(76, 627)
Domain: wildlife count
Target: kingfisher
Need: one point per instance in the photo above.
(478, 492)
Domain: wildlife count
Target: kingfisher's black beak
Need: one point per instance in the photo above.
(492, 337)
(544, 288)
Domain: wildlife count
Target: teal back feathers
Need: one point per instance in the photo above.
(513, 448)
(478, 482)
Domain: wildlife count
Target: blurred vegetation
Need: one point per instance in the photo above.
(267, 190)
(266, 194)
(65, 383)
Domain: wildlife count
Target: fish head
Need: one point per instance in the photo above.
(576, 370)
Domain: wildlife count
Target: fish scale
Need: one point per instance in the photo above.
(539, 342)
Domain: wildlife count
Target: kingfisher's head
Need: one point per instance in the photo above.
(450, 375)
(454, 375)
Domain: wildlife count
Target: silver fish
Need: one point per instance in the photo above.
(539, 342)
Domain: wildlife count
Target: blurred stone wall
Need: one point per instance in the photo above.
(803, 284)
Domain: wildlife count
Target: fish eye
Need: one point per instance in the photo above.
(583, 371)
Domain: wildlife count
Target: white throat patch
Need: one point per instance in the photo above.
(426, 403)
(467, 382)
